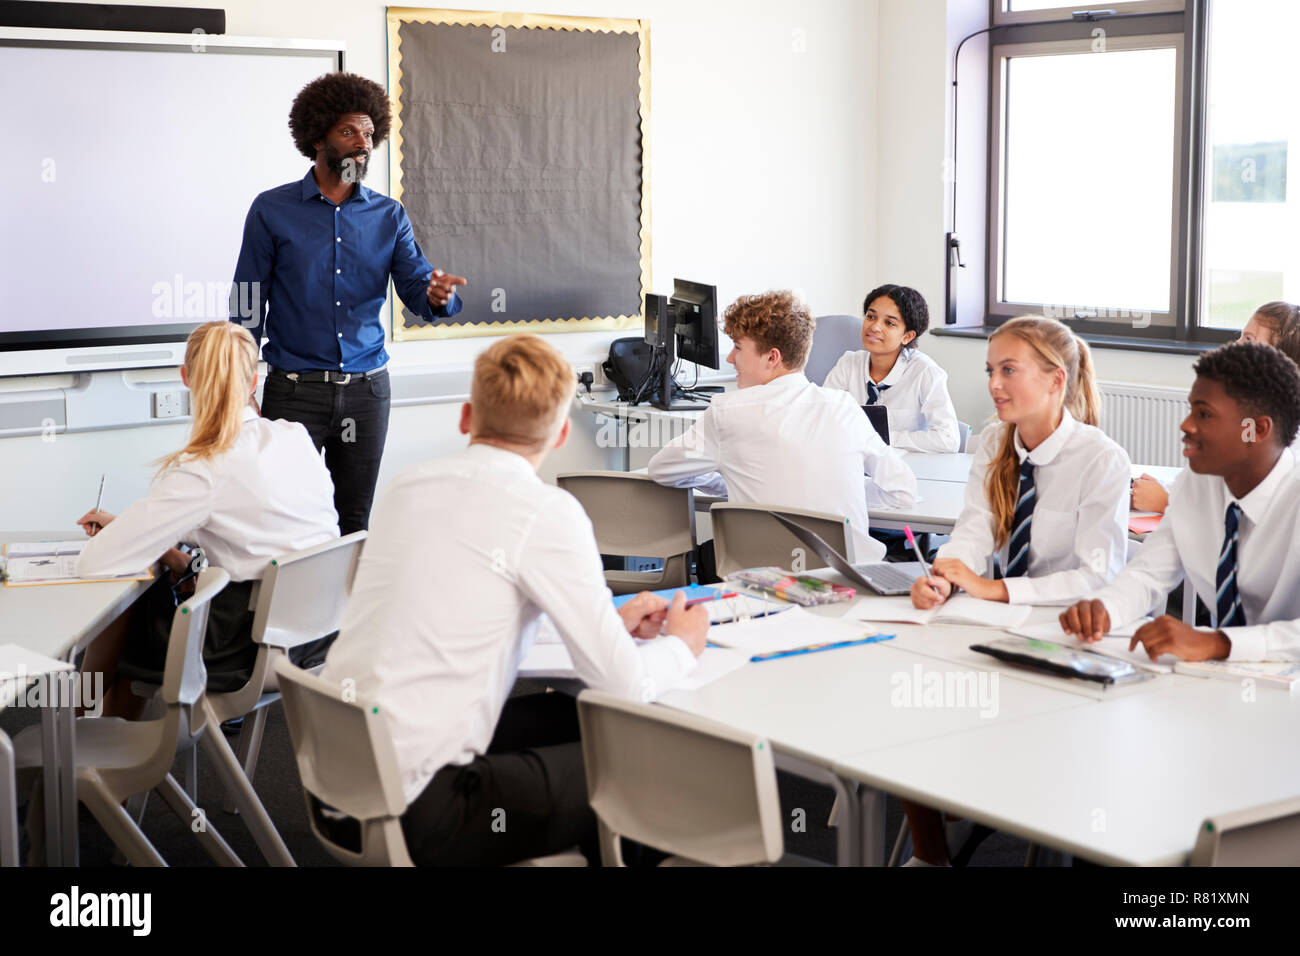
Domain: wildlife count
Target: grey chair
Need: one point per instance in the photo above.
(117, 759)
(747, 536)
(351, 782)
(963, 437)
(701, 791)
(633, 515)
(833, 335)
(1267, 835)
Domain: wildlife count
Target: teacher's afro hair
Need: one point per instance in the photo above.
(1259, 378)
(320, 103)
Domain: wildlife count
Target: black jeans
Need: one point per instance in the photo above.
(527, 797)
(350, 422)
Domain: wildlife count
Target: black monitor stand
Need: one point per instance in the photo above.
(666, 395)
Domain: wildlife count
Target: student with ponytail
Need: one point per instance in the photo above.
(1047, 496)
(243, 488)
(1048, 491)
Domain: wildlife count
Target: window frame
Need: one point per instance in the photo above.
(1137, 25)
(1001, 15)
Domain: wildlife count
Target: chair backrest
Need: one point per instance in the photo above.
(302, 594)
(833, 335)
(184, 675)
(679, 783)
(747, 536)
(344, 751)
(963, 437)
(1267, 835)
(634, 514)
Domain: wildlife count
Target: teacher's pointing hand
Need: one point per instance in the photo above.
(441, 287)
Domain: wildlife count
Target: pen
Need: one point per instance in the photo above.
(924, 567)
(814, 648)
(704, 600)
(99, 499)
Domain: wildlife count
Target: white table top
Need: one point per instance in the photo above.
(937, 508)
(1126, 781)
(52, 619)
(641, 412)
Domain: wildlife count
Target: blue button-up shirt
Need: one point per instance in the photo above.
(320, 271)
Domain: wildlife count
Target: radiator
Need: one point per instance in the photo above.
(1144, 420)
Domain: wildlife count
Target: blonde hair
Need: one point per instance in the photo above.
(522, 390)
(1056, 347)
(774, 320)
(220, 364)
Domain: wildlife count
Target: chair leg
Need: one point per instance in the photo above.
(136, 807)
(237, 785)
(206, 833)
(190, 770)
(1031, 855)
(248, 750)
(117, 823)
(900, 844)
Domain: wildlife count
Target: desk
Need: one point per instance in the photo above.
(938, 505)
(956, 467)
(658, 426)
(1124, 782)
(57, 621)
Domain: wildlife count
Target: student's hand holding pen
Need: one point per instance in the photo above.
(930, 592)
(644, 615)
(92, 522)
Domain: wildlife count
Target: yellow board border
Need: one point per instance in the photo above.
(475, 18)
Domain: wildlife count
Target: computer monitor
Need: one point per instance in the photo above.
(694, 311)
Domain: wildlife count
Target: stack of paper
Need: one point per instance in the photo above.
(52, 562)
(960, 609)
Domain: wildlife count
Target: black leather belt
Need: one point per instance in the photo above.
(329, 378)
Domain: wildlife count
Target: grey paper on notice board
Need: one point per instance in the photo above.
(521, 167)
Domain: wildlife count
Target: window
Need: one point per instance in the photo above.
(1139, 163)
(1250, 229)
(1085, 196)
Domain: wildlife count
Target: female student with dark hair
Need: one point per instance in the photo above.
(889, 370)
(1274, 323)
(245, 489)
(1047, 496)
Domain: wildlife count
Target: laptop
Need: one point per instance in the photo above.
(883, 578)
(878, 415)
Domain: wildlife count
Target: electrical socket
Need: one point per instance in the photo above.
(171, 404)
(595, 374)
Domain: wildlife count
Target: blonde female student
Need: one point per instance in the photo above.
(1047, 495)
(244, 489)
(891, 371)
(1274, 323)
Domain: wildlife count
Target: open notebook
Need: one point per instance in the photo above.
(961, 609)
(29, 563)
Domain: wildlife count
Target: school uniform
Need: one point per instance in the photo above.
(1071, 536)
(465, 556)
(794, 444)
(1252, 553)
(921, 414)
(267, 495)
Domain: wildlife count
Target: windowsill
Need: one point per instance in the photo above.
(1127, 343)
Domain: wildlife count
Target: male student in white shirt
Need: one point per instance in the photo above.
(889, 370)
(1232, 528)
(465, 556)
(780, 440)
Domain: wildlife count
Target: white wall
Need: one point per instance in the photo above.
(763, 176)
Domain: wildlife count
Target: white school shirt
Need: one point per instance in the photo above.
(268, 494)
(921, 415)
(1186, 546)
(465, 556)
(795, 444)
(1078, 539)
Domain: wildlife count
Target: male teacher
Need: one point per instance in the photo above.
(317, 255)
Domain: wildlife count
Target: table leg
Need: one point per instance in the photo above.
(847, 840)
(50, 775)
(67, 718)
(871, 811)
(8, 804)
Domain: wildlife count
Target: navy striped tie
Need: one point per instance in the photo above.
(1018, 549)
(1226, 599)
(873, 391)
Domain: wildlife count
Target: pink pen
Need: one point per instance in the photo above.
(917, 551)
